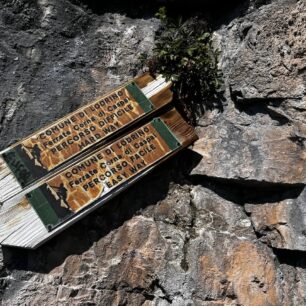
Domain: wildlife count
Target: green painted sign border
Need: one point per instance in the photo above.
(140, 97)
(166, 134)
(38, 198)
(43, 208)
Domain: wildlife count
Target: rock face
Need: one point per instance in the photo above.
(262, 137)
(281, 224)
(265, 153)
(55, 56)
(223, 227)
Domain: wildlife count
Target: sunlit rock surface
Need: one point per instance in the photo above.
(221, 225)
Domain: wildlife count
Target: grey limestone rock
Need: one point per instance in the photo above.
(226, 227)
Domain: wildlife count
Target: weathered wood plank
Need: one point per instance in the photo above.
(72, 137)
(80, 200)
(11, 207)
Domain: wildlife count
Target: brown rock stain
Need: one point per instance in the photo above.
(283, 154)
(205, 147)
(213, 275)
(135, 253)
(275, 217)
(253, 275)
(269, 214)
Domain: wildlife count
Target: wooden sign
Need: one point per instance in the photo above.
(74, 192)
(50, 148)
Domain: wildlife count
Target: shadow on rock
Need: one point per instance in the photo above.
(248, 191)
(213, 10)
(291, 257)
(81, 236)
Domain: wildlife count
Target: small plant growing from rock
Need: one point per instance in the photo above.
(184, 54)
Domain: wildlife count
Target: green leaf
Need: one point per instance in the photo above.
(204, 36)
(183, 53)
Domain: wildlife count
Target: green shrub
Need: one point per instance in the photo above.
(184, 54)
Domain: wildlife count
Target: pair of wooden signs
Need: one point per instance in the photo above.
(64, 171)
